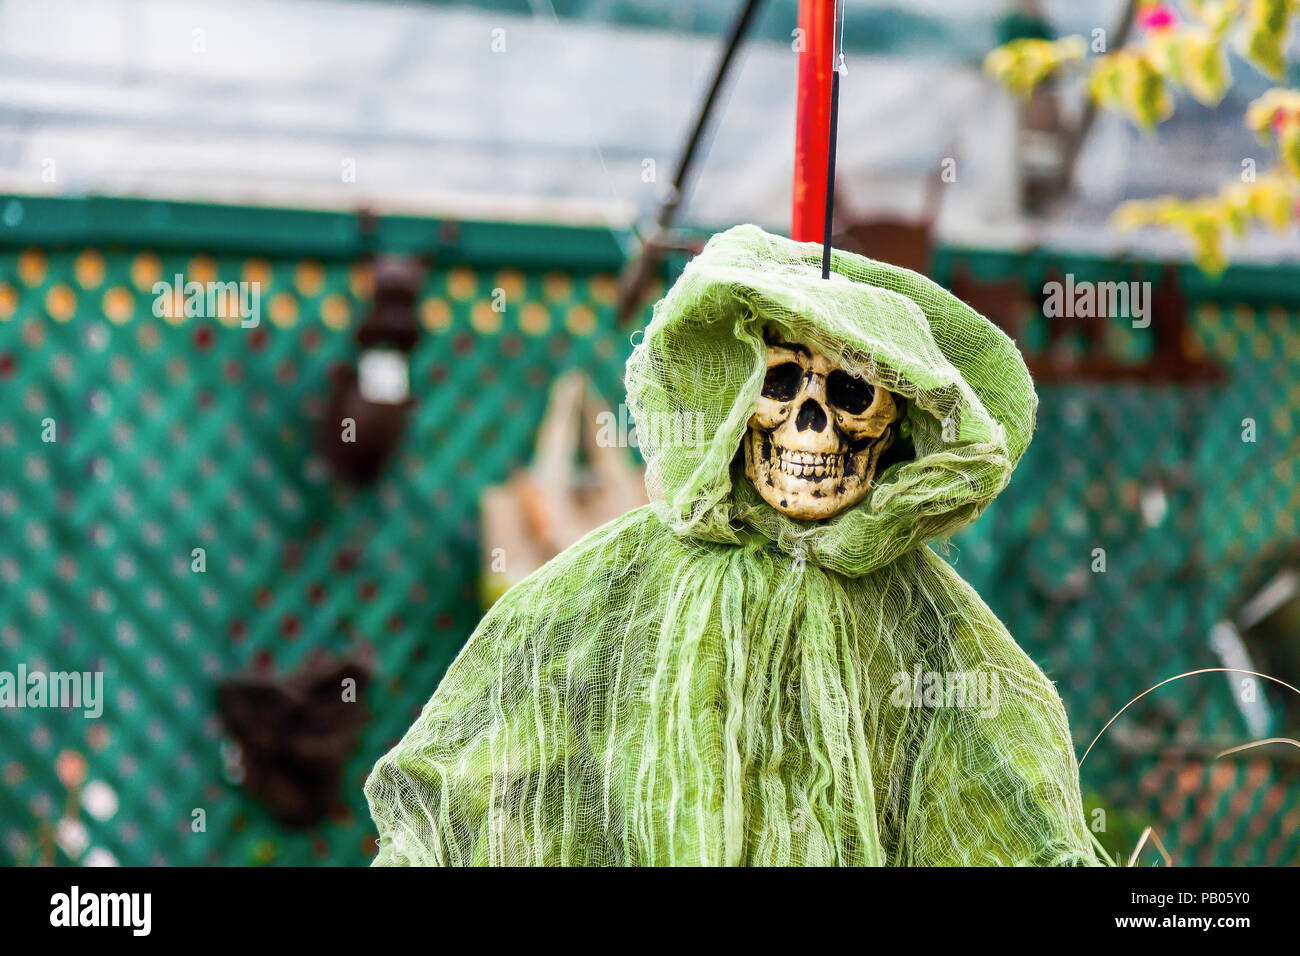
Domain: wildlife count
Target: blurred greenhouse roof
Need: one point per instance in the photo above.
(405, 107)
(942, 29)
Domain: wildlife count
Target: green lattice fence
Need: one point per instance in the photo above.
(176, 433)
(1161, 479)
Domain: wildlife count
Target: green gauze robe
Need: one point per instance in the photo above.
(708, 681)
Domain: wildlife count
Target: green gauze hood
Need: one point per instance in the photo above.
(708, 681)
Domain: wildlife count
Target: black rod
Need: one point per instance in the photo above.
(640, 272)
(830, 174)
(738, 30)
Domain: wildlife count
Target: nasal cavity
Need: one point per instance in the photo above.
(811, 415)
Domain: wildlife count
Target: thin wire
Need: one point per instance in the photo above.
(1203, 670)
(539, 8)
(639, 272)
(1155, 838)
(704, 120)
(1257, 743)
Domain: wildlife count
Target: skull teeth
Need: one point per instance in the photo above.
(809, 464)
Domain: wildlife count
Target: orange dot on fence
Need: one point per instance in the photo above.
(535, 319)
(309, 277)
(485, 319)
(581, 320)
(335, 312)
(61, 303)
(284, 310)
(90, 269)
(461, 283)
(119, 304)
(435, 314)
(258, 271)
(146, 269)
(32, 265)
(202, 269)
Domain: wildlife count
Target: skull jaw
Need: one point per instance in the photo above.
(820, 493)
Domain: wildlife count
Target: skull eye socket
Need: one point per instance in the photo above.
(847, 393)
(782, 382)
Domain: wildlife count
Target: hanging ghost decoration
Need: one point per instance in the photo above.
(757, 667)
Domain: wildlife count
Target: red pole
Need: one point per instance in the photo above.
(812, 119)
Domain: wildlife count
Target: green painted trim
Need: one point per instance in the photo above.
(106, 222)
(56, 221)
(1264, 284)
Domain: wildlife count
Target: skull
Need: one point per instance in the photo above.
(817, 435)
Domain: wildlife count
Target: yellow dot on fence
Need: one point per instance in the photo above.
(309, 277)
(335, 312)
(258, 271)
(435, 314)
(461, 283)
(119, 304)
(8, 301)
(556, 285)
(202, 269)
(284, 310)
(61, 303)
(146, 269)
(361, 280)
(512, 283)
(484, 319)
(535, 319)
(32, 266)
(604, 288)
(581, 320)
(90, 269)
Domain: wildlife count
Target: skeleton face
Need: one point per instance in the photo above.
(817, 435)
